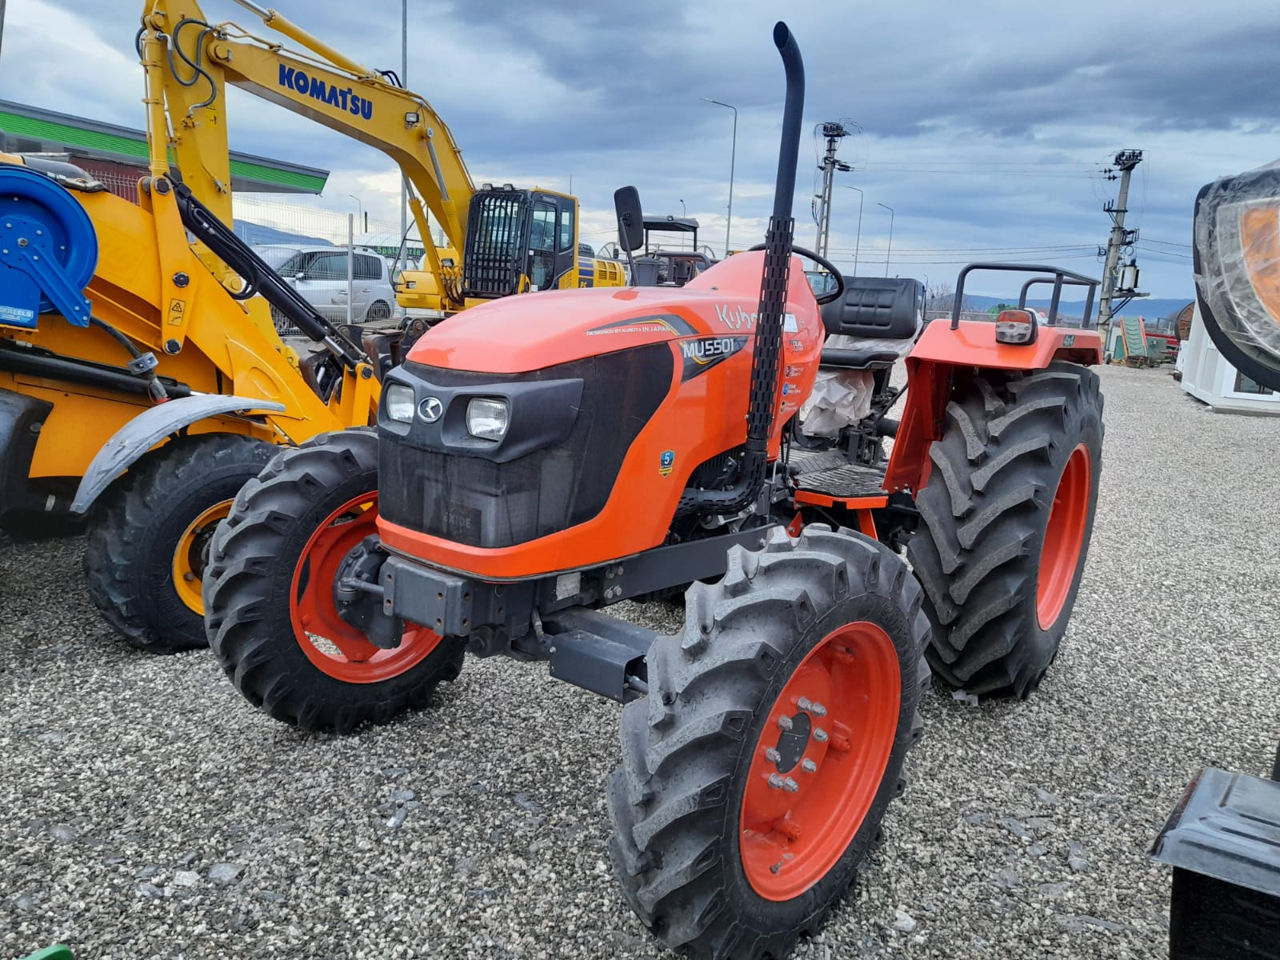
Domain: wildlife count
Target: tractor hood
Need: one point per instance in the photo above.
(531, 331)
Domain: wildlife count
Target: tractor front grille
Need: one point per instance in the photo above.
(473, 500)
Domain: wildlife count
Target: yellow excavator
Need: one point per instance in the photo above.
(142, 381)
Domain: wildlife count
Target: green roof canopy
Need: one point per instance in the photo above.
(29, 128)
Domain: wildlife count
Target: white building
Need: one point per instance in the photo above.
(1207, 376)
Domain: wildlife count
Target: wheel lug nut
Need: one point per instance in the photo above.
(772, 755)
(778, 782)
(804, 703)
(820, 735)
(818, 710)
(808, 766)
(784, 722)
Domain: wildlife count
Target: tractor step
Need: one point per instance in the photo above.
(841, 479)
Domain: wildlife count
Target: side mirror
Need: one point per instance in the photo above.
(1237, 270)
(626, 201)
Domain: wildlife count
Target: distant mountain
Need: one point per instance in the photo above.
(259, 233)
(1151, 308)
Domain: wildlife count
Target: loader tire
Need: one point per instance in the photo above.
(823, 635)
(1006, 518)
(269, 607)
(144, 554)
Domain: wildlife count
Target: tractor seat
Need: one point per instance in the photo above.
(873, 324)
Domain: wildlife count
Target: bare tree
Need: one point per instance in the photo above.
(941, 298)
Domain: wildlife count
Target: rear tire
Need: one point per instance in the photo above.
(378, 311)
(268, 595)
(140, 524)
(998, 602)
(688, 845)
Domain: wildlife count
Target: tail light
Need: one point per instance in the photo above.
(1016, 326)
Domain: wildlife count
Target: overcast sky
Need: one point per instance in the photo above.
(985, 125)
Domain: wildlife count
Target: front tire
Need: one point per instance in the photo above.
(1008, 512)
(144, 555)
(733, 835)
(270, 613)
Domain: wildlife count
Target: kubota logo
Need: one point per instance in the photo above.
(431, 409)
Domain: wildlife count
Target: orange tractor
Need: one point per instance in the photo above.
(559, 452)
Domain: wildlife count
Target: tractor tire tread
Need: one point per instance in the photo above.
(976, 553)
(245, 632)
(121, 525)
(671, 797)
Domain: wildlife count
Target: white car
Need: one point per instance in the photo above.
(320, 275)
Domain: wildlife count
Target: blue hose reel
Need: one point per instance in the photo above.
(48, 250)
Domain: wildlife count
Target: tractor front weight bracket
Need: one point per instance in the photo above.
(378, 593)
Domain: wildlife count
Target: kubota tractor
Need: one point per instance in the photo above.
(559, 452)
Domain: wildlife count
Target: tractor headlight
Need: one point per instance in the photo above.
(487, 419)
(397, 401)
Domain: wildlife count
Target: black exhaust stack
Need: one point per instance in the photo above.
(773, 301)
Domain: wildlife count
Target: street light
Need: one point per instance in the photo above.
(360, 207)
(857, 244)
(682, 210)
(889, 248)
(733, 156)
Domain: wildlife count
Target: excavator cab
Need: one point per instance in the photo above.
(519, 240)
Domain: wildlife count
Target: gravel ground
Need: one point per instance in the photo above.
(147, 811)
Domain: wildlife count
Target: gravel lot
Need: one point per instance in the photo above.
(147, 811)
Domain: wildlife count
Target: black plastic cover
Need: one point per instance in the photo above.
(883, 308)
(1227, 826)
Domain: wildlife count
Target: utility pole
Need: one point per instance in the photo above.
(889, 249)
(834, 132)
(857, 241)
(733, 156)
(1119, 239)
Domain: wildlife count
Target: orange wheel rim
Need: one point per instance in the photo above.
(1064, 537)
(819, 761)
(188, 556)
(336, 647)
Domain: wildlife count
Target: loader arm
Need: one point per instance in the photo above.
(188, 63)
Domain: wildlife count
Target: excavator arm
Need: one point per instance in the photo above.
(189, 61)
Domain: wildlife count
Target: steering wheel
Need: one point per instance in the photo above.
(826, 264)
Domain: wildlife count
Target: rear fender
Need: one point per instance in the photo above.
(931, 369)
(147, 429)
(21, 418)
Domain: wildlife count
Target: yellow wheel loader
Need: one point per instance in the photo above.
(142, 380)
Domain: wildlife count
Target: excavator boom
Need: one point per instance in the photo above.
(189, 62)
